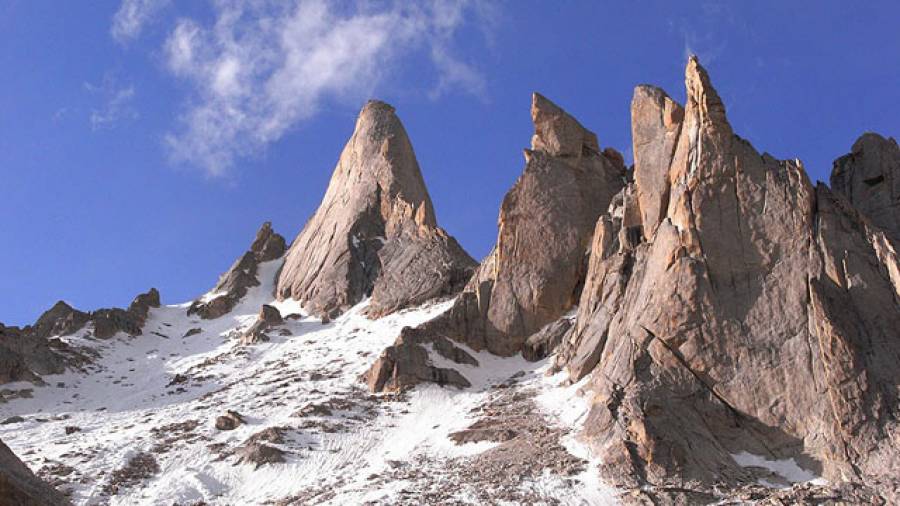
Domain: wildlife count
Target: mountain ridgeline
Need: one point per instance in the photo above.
(710, 301)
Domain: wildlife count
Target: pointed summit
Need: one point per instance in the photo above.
(703, 100)
(558, 133)
(375, 232)
(534, 274)
(655, 126)
(242, 275)
(701, 336)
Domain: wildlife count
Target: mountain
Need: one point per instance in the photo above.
(706, 327)
(534, 274)
(756, 316)
(375, 233)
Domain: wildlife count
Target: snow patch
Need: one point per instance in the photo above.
(786, 468)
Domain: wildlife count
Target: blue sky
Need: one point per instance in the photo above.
(142, 142)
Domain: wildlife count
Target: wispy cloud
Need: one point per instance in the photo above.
(60, 113)
(260, 68)
(706, 31)
(117, 103)
(132, 16)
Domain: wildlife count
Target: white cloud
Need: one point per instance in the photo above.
(262, 67)
(117, 103)
(132, 16)
(453, 73)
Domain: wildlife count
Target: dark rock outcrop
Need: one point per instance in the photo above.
(242, 275)
(19, 486)
(108, 322)
(407, 363)
(229, 421)
(534, 274)
(269, 316)
(731, 307)
(375, 232)
(259, 454)
(544, 342)
(26, 357)
(28, 353)
(60, 320)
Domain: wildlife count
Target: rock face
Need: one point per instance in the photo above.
(731, 307)
(545, 341)
(534, 274)
(375, 232)
(242, 275)
(655, 128)
(19, 486)
(869, 177)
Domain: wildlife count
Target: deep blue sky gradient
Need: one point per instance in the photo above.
(95, 216)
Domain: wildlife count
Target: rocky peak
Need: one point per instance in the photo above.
(234, 283)
(143, 302)
(749, 298)
(656, 122)
(703, 102)
(61, 319)
(869, 177)
(545, 224)
(28, 353)
(380, 139)
(557, 133)
(534, 273)
(268, 245)
(375, 232)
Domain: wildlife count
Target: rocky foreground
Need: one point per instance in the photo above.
(705, 327)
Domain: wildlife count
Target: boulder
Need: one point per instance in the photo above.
(408, 362)
(242, 275)
(375, 232)
(229, 421)
(259, 454)
(269, 316)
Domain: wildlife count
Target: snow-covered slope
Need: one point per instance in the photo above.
(140, 427)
